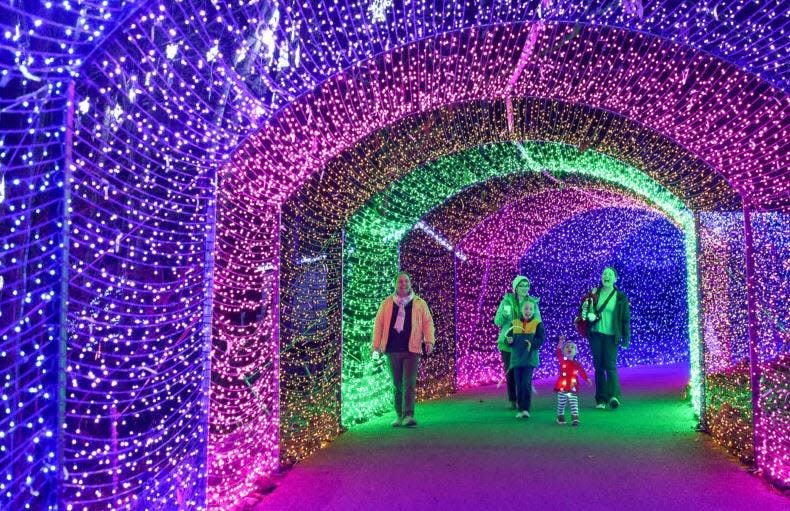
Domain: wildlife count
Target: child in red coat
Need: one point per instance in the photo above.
(567, 386)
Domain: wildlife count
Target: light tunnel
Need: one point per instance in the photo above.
(203, 202)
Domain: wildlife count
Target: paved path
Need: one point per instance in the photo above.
(469, 452)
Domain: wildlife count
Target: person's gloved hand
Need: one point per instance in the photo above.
(428, 348)
(624, 344)
(591, 316)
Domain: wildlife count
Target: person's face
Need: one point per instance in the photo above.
(522, 288)
(403, 285)
(528, 309)
(569, 350)
(608, 277)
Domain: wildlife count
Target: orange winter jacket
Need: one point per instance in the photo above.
(421, 325)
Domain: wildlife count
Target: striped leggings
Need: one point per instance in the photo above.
(567, 397)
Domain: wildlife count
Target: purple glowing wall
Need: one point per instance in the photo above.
(648, 253)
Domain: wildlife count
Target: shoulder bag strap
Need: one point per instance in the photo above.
(598, 310)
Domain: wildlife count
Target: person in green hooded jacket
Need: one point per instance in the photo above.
(510, 308)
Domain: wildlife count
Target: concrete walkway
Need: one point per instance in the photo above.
(469, 452)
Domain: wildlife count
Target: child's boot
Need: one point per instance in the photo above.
(561, 420)
(575, 420)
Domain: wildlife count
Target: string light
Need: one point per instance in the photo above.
(373, 233)
(728, 412)
(322, 206)
(517, 214)
(143, 142)
(547, 239)
(772, 279)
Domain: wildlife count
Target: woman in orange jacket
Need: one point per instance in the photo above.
(403, 324)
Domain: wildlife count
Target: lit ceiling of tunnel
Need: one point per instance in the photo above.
(506, 201)
(345, 183)
(719, 114)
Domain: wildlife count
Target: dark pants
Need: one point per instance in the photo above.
(523, 377)
(404, 367)
(511, 381)
(604, 352)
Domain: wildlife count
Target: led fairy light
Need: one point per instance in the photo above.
(43, 43)
(282, 150)
(201, 75)
(728, 410)
(430, 260)
(311, 287)
(244, 442)
(376, 229)
(373, 149)
(728, 397)
(561, 268)
(298, 149)
(324, 202)
(772, 426)
(722, 290)
(528, 213)
(153, 210)
(493, 261)
(729, 414)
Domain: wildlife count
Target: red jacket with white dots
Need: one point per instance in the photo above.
(570, 370)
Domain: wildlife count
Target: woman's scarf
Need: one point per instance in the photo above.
(401, 303)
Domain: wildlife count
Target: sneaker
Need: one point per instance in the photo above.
(575, 420)
(601, 406)
(561, 420)
(614, 403)
(525, 414)
(409, 421)
(519, 415)
(397, 423)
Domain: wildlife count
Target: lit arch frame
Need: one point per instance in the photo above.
(692, 106)
(368, 394)
(322, 205)
(298, 148)
(286, 141)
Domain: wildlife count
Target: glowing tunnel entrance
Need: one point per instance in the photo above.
(202, 203)
(374, 234)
